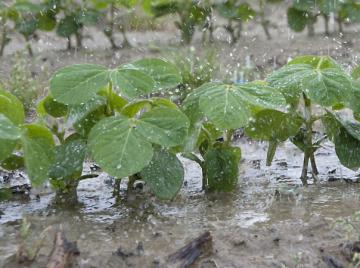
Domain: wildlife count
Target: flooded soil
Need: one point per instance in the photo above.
(270, 220)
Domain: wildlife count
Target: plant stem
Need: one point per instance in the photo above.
(326, 23)
(116, 189)
(28, 46)
(109, 106)
(79, 39)
(228, 136)
(3, 40)
(263, 21)
(204, 176)
(311, 29)
(125, 43)
(340, 26)
(110, 31)
(313, 164)
(305, 169)
(308, 138)
(68, 43)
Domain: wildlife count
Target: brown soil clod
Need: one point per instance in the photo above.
(189, 253)
(63, 252)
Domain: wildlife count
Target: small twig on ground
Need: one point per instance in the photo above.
(191, 251)
(63, 252)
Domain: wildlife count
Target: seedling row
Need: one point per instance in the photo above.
(114, 117)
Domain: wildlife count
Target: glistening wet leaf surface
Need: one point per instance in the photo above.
(269, 220)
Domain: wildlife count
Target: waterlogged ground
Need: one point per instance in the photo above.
(270, 220)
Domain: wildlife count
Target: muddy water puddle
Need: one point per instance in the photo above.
(270, 220)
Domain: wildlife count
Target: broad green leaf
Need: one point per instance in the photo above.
(46, 21)
(326, 87)
(87, 17)
(225, 106)
(69, 158)
(163, 73)
(6, 148)
(242, 12)
(54, 108)
(356, 72)
(26, 7)
(272, 125)
(346, 137)
(8, 131)
(164, 126)
(222, 168)
(164, 174)
(9, 134)
(354, 98)
(306, 5)
(230, 106)
(78, 83)
(38, 146)
(86, 123)
(67, 26)
(116, 102)
(208, 133)
(80, 111)
(13, 162)
(331, 124)
(297, 19)
(118, 148)
(11, 107)
(319, 62)
(347, 149)
(131, 83)
(84, 116)
(132, 108)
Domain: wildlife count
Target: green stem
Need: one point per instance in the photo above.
(263, 21)
(109, 106)
(116, 190)
(308, 137)
(28, 46)
(3, 40)
(326, 24)
(110, 32)
(313, 164)
(204, 176)
(228, 136)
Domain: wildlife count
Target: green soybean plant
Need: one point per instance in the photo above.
(6, 14)
(23, 144)
(126, 135)
(75, 17)
(307, 81)
(261, 13)
(112, 23)
(191, 13)
(215, 111)
(236, 13)
(304, 14)
(31, 17)
(66, 170)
